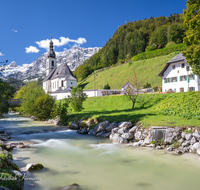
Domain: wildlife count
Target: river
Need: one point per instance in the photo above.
(72, 158)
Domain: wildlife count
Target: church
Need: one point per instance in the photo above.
(58, 79)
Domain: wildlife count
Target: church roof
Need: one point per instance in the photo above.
(177, 58)
(60, 71)
(51, 52)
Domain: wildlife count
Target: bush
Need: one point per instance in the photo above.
(77, 98)
(107, 86)
(169, 44)
(43, 106)
(151, 47)
(147, 85)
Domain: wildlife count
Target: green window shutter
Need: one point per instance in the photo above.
(176, 79)
(165, 80)
(193, 76)
(185, 77)
(171, 79)
(193, 88)
(180, 78)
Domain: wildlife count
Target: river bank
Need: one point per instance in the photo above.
(70, 158)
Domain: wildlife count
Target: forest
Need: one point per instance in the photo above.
(133, 38)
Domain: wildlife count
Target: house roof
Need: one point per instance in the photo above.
(128, 84)
(59, 90)
(60, 71)
(177, 58)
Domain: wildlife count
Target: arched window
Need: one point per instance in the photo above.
(52, 63)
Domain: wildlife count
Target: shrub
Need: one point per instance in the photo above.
(43, 106)
(147, 85)
(169, 44)
(107, 86)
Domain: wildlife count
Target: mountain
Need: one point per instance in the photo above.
(73, 57)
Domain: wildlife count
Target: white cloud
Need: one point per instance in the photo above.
(65, 49)
(1, 54)
(32, 49)
(14, 30)
(59, 42)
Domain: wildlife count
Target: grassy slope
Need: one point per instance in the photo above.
(118, 108)
(117, 77)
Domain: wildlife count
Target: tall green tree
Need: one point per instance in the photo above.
(191, 18)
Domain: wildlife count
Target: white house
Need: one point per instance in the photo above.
(177, 76)
(58, 79)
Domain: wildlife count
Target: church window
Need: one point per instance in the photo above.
(62, 84)
(52, 63)
(71, 82)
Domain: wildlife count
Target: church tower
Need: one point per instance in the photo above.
(51, 61)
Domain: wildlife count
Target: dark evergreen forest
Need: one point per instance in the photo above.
(133, 38)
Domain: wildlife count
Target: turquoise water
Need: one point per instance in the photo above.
(72, 158)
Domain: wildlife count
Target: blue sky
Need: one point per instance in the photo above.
(26, 25)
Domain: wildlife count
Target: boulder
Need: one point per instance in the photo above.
(185, 143)
(183, 135)
(139, 135)
(34, 167)
(128, 136)
(100, 134)
(133, 129)
(181, 140)
(101, 126)
(122, 130)
(118, 139)
(197, 136)
(193, 140)
(111, 126)
(188, 137)
(73, 126)
(106, 135)
(178, 152)
(125, 124)
(170, 148)
(115, 130)
(83, 131)
(91, 132)
(168, 140)
(70, 187)
(116, 135)
(33, 118)
(185, 149)
(194, 147)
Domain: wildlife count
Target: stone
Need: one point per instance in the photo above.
(185, 143)
(34, 167)
(115, 130)
(197, 136)
(181, 140)
(183, 135)
(178, 152)
(100, 134)
(126, 124)
(17, 173)
(116, 135)
(91, 132)
(119, 140)
(33, 118)
(74, 126)
(188, 137)
(185, 149)
(101, 126)
(83, 131)
(138, 135)
(133, 129)
(128, 136)
(140, 143)
(111, 126)
(177, 129)
(170, 148)
(106, 135)
(70, 187)
(169, 134)
(122, 130)
(194, 147)
(168, 140)
(193, 140)
(158, 147)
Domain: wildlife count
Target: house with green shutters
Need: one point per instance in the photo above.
(177, 76)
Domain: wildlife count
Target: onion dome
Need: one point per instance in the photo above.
(51, 51)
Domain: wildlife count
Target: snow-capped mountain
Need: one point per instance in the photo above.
(73, 57)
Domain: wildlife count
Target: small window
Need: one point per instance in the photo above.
(62, 83)
(191, 88)
(173, 66)
(182, 65)
(71, 82)
(181, 89)
(52, 63)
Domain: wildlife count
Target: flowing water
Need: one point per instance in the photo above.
(71, 158)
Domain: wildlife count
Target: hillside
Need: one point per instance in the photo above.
(117, 76)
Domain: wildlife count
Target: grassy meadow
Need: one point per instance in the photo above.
(118, 108)
(117, 76)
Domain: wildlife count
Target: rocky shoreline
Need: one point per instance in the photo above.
(177, 140)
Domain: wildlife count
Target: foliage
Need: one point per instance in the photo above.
(130, 93)
(61, 110)
(43, 106)
(77, 98)
(6, 92)
(151, 47)
(191, 18)
(82, 71)
(175, 144)
(147, 85)
(133, 38)
(169, 44)
(30, 93)
(186, 105)
(159, 52)
(117, 76)
(188, 131)
(107, 86)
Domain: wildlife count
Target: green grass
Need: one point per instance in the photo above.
(118, 76)
(118, 108)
